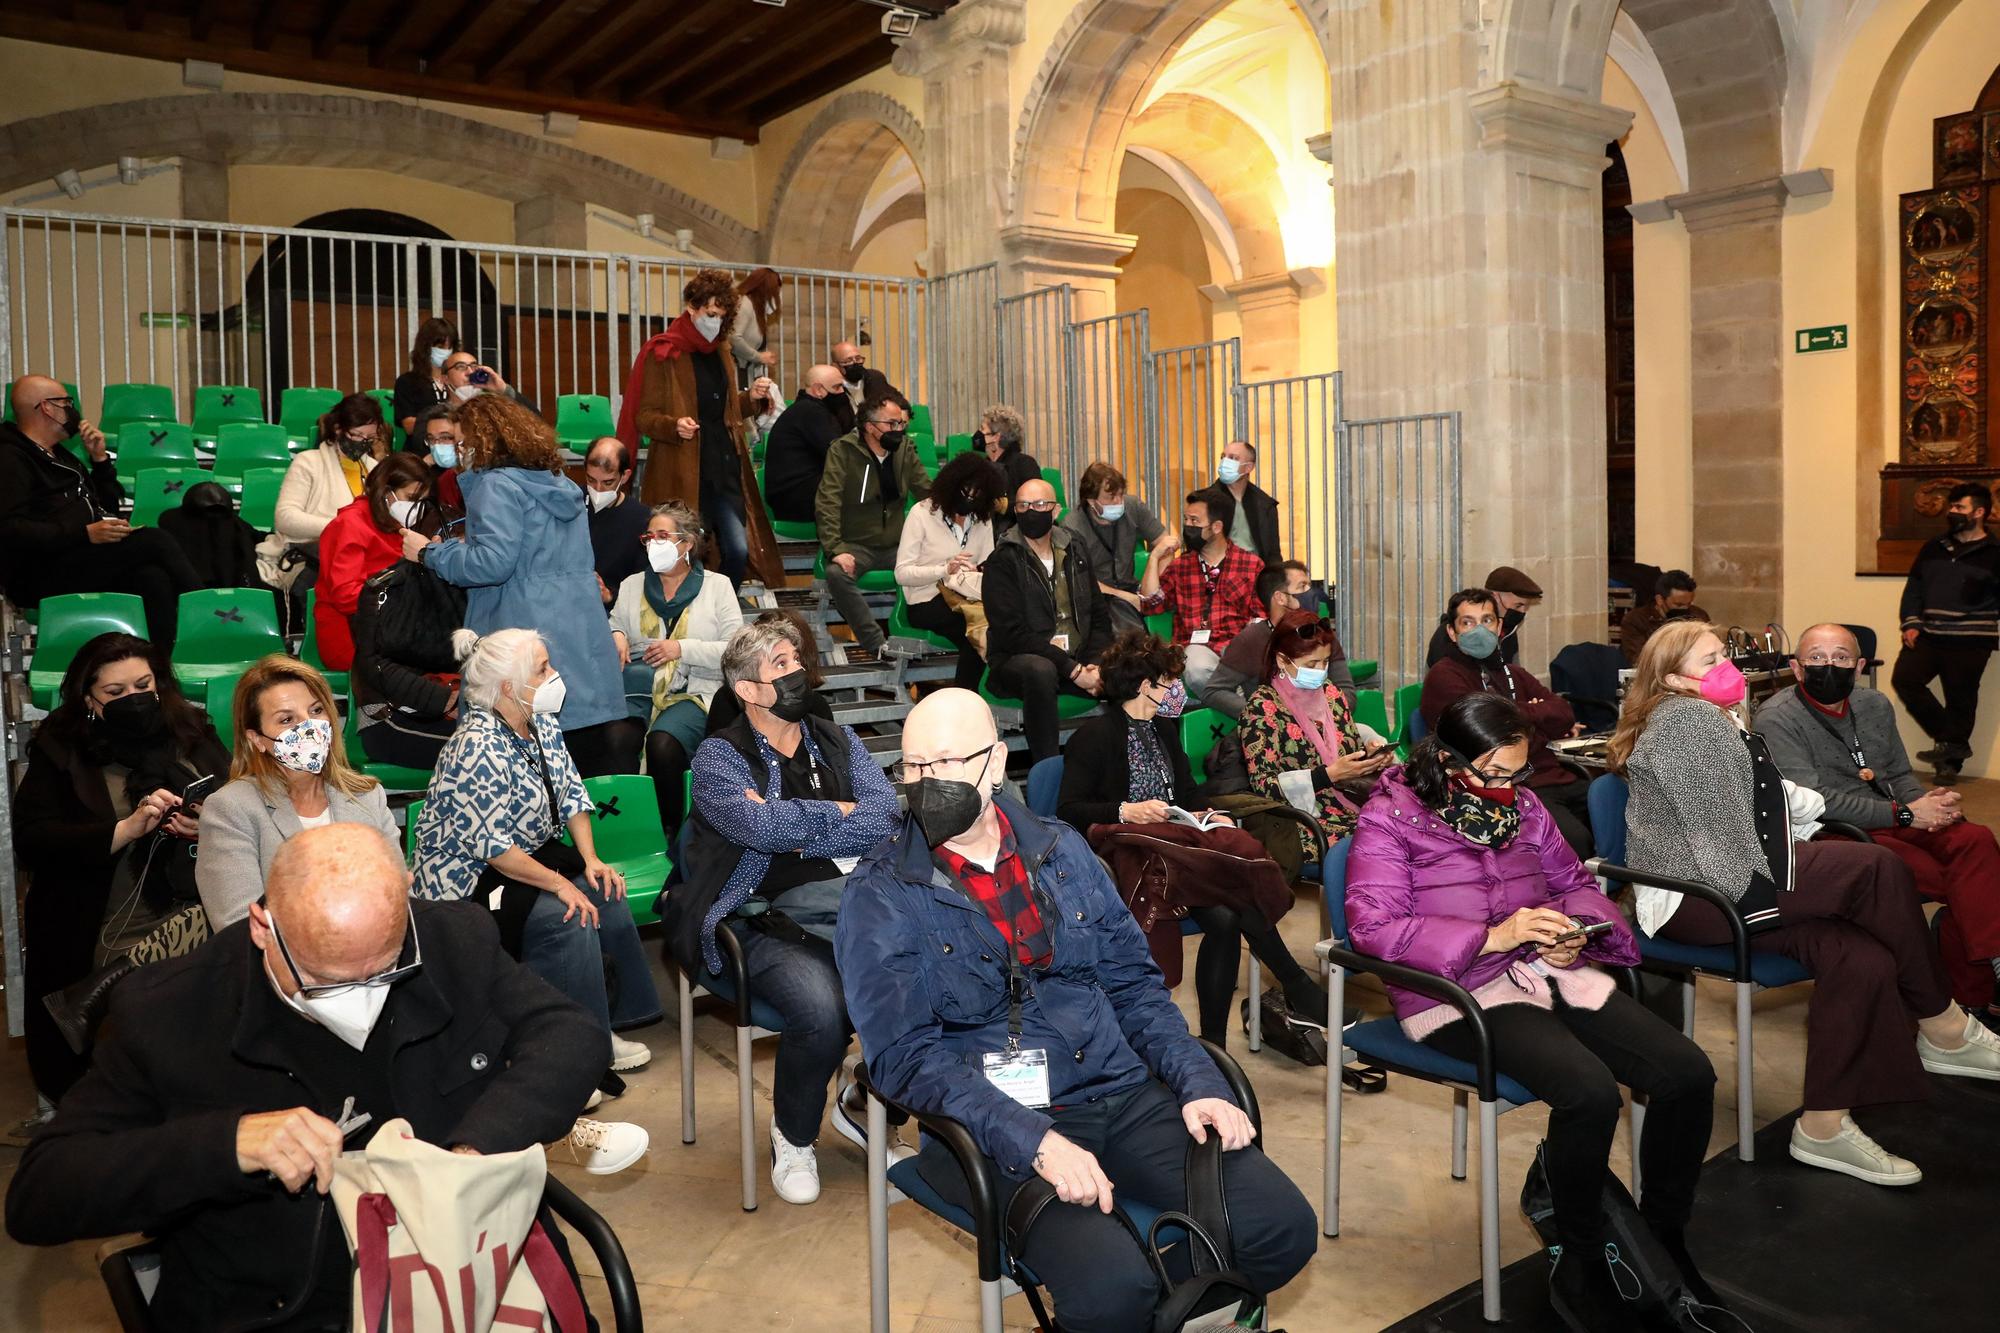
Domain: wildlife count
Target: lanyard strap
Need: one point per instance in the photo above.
(1852, 740)
(1015, 984)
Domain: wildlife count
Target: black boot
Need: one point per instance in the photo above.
(1674, 1241)
(1583, 1293)
(80, 1006)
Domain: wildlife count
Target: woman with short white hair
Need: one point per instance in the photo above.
(504, 788)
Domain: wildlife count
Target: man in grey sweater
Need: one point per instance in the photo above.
(1841, 741)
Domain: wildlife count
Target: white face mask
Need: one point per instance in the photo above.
(349, 1015)
(403, 511)
(664, 557)
(549, 695)
(708, 326)
(465, 393)
(601, 500)
(440, 355)
(304, 746)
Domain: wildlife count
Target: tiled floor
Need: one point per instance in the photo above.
(1408, 1235)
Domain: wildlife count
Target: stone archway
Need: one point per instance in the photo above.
(304, 129)
(814, 207)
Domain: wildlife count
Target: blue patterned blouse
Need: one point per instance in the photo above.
(487, 796)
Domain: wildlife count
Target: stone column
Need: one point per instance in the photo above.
(966, 63)
(1267, 306)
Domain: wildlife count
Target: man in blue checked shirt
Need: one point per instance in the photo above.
(784, 804)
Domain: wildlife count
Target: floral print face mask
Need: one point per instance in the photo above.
(304, 746)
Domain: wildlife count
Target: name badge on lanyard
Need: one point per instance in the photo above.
(1198, 637)
(1021, 1074)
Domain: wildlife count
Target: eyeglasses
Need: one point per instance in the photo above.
(62, 398)
(857, 361)
(650, 538)
(1518, 776)
(1038, 506)
(319, 991)
(914, 769)
(1839, 658)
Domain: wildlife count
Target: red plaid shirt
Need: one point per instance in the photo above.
(1004, 894)
(1222, 600)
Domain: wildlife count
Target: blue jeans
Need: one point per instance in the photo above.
(724, 512)
(570, 957)
(799, 981)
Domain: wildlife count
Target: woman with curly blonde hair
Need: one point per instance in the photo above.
(682, 397)
(525, 562)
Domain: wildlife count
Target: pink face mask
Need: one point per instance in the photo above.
(1724, 685)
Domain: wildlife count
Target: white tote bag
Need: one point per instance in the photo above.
(447, 1242)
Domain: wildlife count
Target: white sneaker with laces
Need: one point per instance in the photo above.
(1979, 1057)
(1853, 1153)
(850, 1120)
(794, 1169)
(627, 1056)
(606, 1147)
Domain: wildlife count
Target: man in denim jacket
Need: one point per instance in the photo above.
(1092, 1080)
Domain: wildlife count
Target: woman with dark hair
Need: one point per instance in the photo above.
(999, 436)
(320, 483)
(423, 384)
(945, 540)
(99, 827)
(683, 399)
(1124, 774)
(525, 563)
(364, 539)
(757, 309)
(1300, 742)
(1457, 868)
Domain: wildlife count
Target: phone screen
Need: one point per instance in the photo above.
(199, 790)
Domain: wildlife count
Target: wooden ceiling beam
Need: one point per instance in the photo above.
(787, 48)
(464, 23)
(330, 25)
(837, 73)
(521, 38)
(203, 21)
(266, 30)
(640, 51)
(582, 38)
(135, 15)
(388, 40)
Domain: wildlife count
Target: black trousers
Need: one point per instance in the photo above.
(1574, 1059)
(938, 618)
(149, 562)
(1035, 682)
(1569, 805)
(1958, 665)
(406, 741)
(607, 748)
(1088, 1262)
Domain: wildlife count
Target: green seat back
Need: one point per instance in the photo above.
(630, 838)
(141, 445)
(218, 404)
(1371, 710)
(387, 398)
(299, 411)
(581, 418)
(309, 649)
(160, 489)
(1201, 728)
(1407, 699)
(70, 621)
(901, 628)
(224, 630)
(875, 580)
(410, 818)
(394, 777)
(926, 448)
(221, 702)
(1067, 705)
(920, 419)
(125, 403)
(260, 496)
(69, 387)
(242, 445)
(784, 529)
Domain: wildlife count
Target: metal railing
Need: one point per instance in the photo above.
(1199, 411)
(962, 372)
(1114, 403)
(1035, 374)
(1401, 544)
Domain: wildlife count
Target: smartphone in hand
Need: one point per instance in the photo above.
(1586, 931)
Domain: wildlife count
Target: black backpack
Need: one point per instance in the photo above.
(414, 614)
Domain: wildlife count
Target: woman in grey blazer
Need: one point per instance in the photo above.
(287, 772)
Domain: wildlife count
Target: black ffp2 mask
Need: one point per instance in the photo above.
(1827, 683)
(794, 699)
(1035, 524)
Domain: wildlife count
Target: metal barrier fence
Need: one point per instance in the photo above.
(1293, 422)
(1400, 548)
(962, 368)
(1199, 412)
(1113, 400)
(1035, 375)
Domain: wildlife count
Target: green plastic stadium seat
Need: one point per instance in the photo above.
(785, 529)
(581, 418)
(920, 419)
(221, 703)
(159, 489)
(954, 445)
(1407, 699)
(875, 580)
(224, 630)
(630, 839)
(901, 628)
(299, 411)
(1371, 709)
(926, 448)
(1067, 705)
(309, 650)
(242, 445)
(125, 403)
(387, 398)
(393, 777)
(1362, 668)
(1201, 728)
(141, 445)
(68, 622)
(260, 496)
(217, 404)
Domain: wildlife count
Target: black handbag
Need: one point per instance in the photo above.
(415, 614)
(510, 910)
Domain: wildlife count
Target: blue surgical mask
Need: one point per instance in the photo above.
(1308, 678)
(1112, 513)
(439, 355)
(445, 455)
(1478, 643)
(1228, 471)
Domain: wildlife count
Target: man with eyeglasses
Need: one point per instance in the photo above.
(872, 476)
(222, 1080)
(1840, 739)
(60, 530)
(995, 977)
(1047, 625)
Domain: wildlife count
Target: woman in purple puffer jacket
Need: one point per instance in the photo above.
(1457, 871)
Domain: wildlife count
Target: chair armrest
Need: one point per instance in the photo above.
(581, 1218)
(1574, 767)
(1739, 934)
(739, 971)
(1293, 815)
(1442, 989)
(1239, 1082)
(1842, 829)
(983, 1190)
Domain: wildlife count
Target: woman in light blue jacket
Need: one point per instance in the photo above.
(525, 562)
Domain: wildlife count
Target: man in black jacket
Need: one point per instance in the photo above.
(1951, 624)
(1046, 623)
(59, 527)
(208, 1119)
(795, 454)
(1255, 525)
(861, 385)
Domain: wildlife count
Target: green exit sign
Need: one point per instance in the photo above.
(1830, 338)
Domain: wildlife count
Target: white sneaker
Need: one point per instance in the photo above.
(850, 1120)
(1979, 1057)
(1853, 1153)
(627, 1056)
(606, 1147)
(794, 1169)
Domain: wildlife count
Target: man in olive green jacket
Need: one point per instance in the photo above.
(872, 475)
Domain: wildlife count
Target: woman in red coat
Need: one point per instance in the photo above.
(364, 539)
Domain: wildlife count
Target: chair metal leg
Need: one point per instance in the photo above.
(1638, 1129)
(1746, 1130)
(1687, 1006)
(989, 1307)
(1256, 1004)
(687, 1057)
(878, 1216)
(1489, 1210)
(1459, 1100)
(1336, 1060)
(743, 1118)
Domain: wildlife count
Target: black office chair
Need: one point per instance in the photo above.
(131, 1269)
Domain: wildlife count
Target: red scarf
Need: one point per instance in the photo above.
(679, 339)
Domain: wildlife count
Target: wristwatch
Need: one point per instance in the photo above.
(1904, 815)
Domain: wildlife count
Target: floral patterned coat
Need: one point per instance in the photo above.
(1282, 761)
